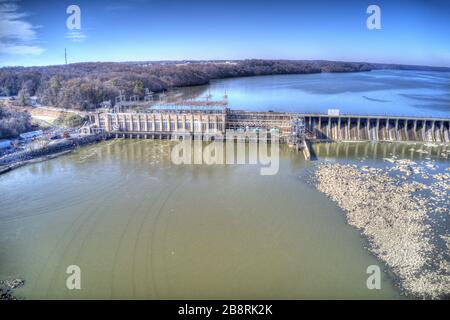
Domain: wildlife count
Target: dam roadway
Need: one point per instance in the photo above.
(163, 123)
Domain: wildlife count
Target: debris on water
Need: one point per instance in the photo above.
(431, 145)
(7, 287)
(431, 165)
(14, 283)
(396, 212)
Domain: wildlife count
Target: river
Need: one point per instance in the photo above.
(140, 226)
(378, 92)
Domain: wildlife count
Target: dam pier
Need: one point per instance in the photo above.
(377, 128)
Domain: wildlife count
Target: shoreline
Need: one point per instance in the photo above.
(19, 159)
(7, 288)
(18, 164)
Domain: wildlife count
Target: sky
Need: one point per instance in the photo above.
(412, 32)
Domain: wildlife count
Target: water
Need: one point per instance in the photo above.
(381, 92)
(372, 153)
(141, 227)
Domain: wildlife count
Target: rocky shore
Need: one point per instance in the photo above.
(18, 159)
(403, 211)
(7, 288)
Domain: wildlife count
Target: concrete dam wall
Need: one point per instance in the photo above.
(312, 127)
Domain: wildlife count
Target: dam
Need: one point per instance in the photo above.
(377, 128)
(292, 128)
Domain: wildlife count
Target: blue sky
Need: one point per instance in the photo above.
(35, 32)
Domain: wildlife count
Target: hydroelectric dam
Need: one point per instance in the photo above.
(294, 128)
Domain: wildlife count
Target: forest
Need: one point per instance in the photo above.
(13, 121)
(84, 86)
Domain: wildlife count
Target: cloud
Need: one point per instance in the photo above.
(17, 36)
(21, 49)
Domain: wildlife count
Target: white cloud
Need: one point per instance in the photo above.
(17, 36)
(21, 49)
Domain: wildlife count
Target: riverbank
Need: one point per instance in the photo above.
(7, 288)
(59, 148)
(403, 211)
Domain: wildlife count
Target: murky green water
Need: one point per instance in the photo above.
(141, 227)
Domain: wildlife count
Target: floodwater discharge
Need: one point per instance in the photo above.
(140, 226)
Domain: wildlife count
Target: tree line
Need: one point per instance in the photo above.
(13, 121)
(84, 86)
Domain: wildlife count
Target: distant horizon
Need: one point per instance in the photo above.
(231, 60)
(35, 33)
